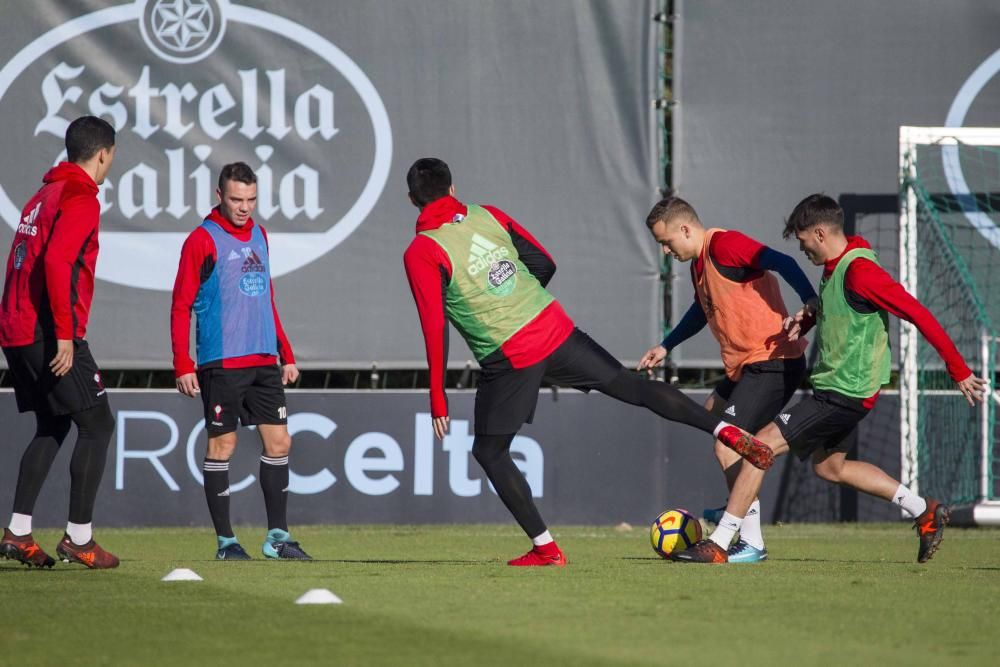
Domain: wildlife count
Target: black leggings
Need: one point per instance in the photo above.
(493, 451)
(665, 400)
(493, 454)
(94, 429)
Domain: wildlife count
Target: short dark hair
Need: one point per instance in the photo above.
(668, 208)
(816, 209)
(428, 179)
(236, 171)
(86, 135)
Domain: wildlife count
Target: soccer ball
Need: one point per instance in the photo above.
(674, 530)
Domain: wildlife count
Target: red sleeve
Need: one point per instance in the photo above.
(285, 353)
(427, 268)
(511, 225)
(736, 249)
(196, 250)
(78, 219)
(870, 281)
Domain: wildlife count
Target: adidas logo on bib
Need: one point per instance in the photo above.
(784, 417)
(484, 253)
(731, 411)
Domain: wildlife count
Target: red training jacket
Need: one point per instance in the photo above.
(196, 264)
(50, 270)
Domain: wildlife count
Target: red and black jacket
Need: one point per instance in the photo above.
(50, 270)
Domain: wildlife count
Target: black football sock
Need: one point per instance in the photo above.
(37, 460)
(216, 472)
(493, 454)
(274, 483)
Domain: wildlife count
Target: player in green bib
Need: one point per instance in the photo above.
(478, 269)
(856, 297)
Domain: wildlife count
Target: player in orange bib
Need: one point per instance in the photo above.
(738, 297)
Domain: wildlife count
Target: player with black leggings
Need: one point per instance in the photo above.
(43, 320)
(479, 269)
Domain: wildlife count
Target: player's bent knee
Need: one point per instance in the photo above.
(221, 447)
(279, 445)
(771, 436)
(827, 471)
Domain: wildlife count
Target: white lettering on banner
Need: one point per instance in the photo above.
(271, 106)
(533, 463)
(214, 102)
(357, 464)
(423, 455)
(372, 452)
(152, 456)
(458, 444)
(314, 108)
(324, 427)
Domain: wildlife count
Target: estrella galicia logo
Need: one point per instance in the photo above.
(182, 31)
(502, 277)
(194, 84)
(253, 284)
(20, 252)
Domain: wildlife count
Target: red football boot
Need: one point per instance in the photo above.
(90, 554)
(930, 528)
(703, 551)
(24, 549)
(547, 554)
(753, 450)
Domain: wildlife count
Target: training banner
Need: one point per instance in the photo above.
(371, 457)
(778, 100)
(541, 107)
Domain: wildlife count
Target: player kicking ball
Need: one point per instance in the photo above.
(224, 276)
(738, 297)
(856, 296)
(479, 269)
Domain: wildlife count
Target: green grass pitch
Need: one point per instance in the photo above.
(442, 595)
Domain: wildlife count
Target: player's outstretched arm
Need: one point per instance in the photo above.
(694, 320)
(871, 282)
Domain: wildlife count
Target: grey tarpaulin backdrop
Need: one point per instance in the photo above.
(781, 99)
(541, 107)
(372, 457)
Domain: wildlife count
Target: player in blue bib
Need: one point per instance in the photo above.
(224, 278)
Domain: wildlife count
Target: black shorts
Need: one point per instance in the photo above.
(506, 398)
(824, 420)
(37, 389)
(252, 395)
(760, 393)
